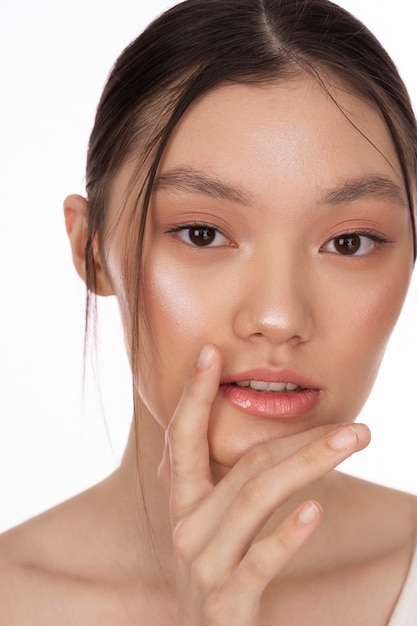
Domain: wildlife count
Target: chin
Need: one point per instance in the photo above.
(226, 456)
(231, 437)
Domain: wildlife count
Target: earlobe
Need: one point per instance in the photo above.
(75, 209)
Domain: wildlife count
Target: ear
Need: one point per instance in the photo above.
(75, 209)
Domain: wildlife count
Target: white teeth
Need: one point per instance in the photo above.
(291, 387)
(260, 385)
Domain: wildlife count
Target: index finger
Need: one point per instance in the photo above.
(186, 434)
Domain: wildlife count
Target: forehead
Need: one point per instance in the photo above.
(286, 132)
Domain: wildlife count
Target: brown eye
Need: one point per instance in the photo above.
(202, 236)
(355, 244)
(347, 244)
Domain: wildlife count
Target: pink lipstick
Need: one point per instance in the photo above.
(283, 394)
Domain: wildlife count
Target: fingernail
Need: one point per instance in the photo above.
(363, 433)
(343, 439)
(205, 358)
(309, 513)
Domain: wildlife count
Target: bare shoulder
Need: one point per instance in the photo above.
(389, 515)
(64, 564)
(34, 565)
(52, 540)
(362, 550)
(381, 500)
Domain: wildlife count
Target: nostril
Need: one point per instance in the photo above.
(274, 316)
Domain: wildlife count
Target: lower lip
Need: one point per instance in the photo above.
(271, 404)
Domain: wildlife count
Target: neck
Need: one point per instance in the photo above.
(145, 501)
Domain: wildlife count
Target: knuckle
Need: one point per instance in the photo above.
(181, 541)
(262, 556)
(216, 609)
(259, 457)
(200, 576)
(257, 565)
(308, 456)
(252, 494)
(282, 541)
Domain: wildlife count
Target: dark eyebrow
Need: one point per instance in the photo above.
(374, 186)
(190, 179)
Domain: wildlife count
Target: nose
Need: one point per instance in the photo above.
(277, 299)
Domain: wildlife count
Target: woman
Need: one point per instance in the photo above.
(251, 203)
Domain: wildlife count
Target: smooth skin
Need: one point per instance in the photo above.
(250, 521)
(270, 291)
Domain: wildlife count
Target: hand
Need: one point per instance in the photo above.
(221, 570)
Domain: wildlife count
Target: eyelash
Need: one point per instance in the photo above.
(378, 239)
(198, 226)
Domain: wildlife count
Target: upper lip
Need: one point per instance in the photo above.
(268, 375)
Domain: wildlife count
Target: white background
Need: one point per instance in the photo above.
(54, 60)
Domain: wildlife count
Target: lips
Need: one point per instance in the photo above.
(283, 394)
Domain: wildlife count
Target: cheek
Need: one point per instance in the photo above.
(378, 309)
(176, 304)
(180, 316)
(362, 323)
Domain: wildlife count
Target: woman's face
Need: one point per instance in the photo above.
(279, 231)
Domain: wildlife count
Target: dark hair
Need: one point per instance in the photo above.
(201, 43)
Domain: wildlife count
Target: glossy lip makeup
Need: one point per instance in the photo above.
(274, 395)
